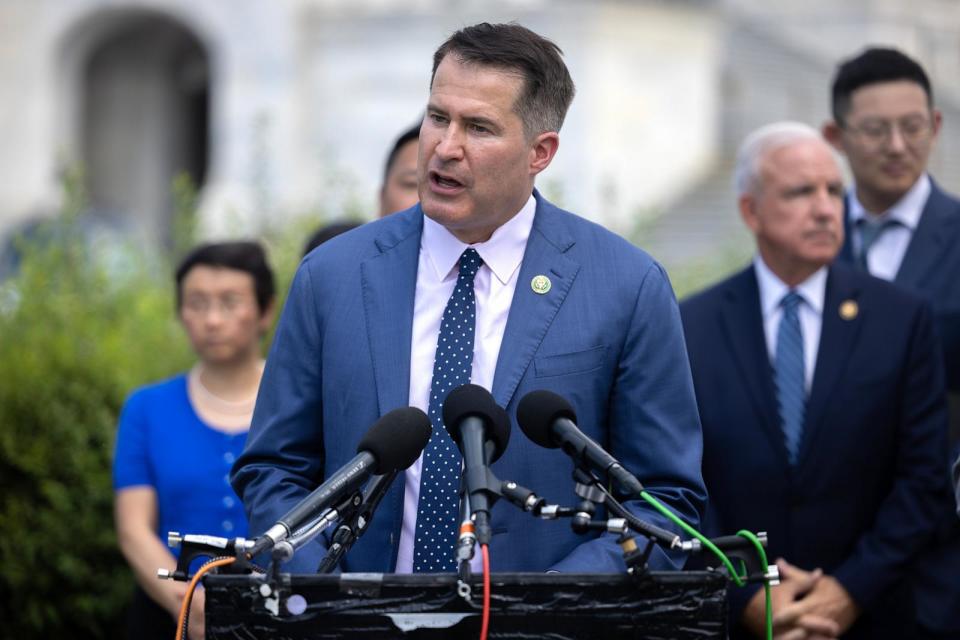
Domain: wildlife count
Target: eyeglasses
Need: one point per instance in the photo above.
(227, 305)
(913, 130)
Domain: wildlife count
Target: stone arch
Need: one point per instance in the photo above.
(136, 89)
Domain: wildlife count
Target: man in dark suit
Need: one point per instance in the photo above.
(900, 226)
(556, 303)
(821, 396)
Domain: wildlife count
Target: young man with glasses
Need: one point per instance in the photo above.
(900, 226)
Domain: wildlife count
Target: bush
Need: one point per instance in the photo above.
(80, 326)
(86, 320)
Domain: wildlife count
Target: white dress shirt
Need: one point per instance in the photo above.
(812, 291)
(886, 253)
(494, 285)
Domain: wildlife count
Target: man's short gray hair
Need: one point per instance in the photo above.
(746, 174)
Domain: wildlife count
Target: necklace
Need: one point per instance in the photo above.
(213, 402)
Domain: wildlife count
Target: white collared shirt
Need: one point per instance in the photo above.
(886, 253)
(494, 285)
(812, 291)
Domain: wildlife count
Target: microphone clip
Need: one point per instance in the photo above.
(482, 480)
(738, 548)
(194, 546)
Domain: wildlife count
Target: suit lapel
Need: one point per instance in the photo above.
(389, 282)
(838, 336)
(846, 251)
(531, 313)
(935, 233)
(742, 322)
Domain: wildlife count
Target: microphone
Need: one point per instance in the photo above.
(549, 421)
(481, 429)
(394, 442)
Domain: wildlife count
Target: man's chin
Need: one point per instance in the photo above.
(443, 213)
(895, 187)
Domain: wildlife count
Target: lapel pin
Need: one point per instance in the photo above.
(540, 284)
(849, 309)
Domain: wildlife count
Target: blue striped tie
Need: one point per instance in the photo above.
(788, 374)
(439, 508)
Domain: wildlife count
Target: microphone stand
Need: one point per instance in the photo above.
(466, 547)
(356, 518)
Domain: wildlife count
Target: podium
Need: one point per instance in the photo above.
(661, 605)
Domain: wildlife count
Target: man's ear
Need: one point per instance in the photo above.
(937, 121)
(747, 204)
(542, 150)
(832, 133)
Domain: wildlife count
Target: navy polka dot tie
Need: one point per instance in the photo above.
(439, 507)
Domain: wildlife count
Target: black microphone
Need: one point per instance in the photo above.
(549, 421)
(481, 429)
(394, 442)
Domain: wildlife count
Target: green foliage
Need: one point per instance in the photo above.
(696, 275)
(84, 322)
(76, 336)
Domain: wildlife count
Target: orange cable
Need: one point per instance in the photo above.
(188, 597)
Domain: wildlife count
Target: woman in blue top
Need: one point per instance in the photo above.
(178, 438)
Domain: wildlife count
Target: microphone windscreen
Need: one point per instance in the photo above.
(397, 439)
(473, 400)
(537, 412)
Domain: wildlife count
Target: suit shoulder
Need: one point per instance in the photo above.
(873, 290)
(700, 302)
(369, 239)
(590, 237)
(952, 201)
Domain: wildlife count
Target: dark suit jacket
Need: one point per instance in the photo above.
(607, 336)
(861, 500)
(931, 268)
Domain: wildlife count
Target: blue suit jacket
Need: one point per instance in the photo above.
(607, 337)
(862, 499)
(931, 268)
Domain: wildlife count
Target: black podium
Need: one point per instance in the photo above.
(661, 605)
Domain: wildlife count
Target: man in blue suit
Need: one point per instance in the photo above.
(900, 226)
(821, 395)
(558, 303)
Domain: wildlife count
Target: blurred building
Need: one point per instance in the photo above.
(276, 108)
(777, 62)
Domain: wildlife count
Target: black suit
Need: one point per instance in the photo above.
(862, 498)
(931, 268)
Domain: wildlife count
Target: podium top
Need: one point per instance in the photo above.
(685, 604)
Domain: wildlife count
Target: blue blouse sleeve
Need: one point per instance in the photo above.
(131, 464)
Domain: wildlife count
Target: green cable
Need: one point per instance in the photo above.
(696, 534)
(737, 578)
(766, 583)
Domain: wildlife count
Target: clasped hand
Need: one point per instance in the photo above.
(807, 605)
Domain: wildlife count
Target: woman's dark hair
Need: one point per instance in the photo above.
(246, 256)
